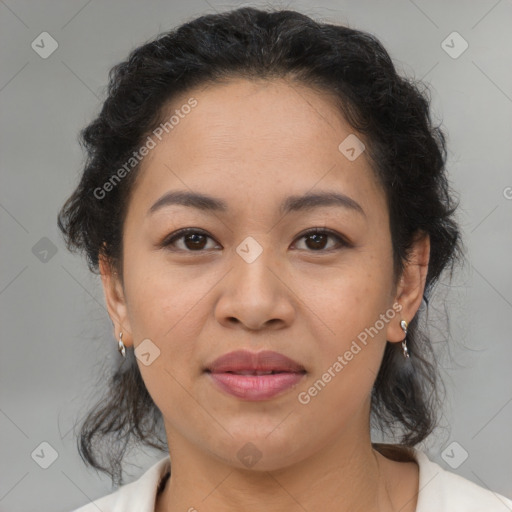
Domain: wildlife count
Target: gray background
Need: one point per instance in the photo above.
(56, 334)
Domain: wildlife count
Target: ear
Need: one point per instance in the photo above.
(115, 300)
(411, 286)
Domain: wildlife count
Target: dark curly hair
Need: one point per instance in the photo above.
(407, 155)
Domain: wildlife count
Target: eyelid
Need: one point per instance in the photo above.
(176, 235)
(342, 241)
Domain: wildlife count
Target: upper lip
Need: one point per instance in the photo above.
(244, 360)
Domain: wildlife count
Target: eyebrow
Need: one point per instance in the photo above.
(305, 202)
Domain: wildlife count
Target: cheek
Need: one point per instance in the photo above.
(160, 294)
(351, 335)
(164, 306)
(345, 302)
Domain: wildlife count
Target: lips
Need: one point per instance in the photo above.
(255, 376)
(243, 362)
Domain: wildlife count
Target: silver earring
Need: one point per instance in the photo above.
(120, 345)
(405, 351)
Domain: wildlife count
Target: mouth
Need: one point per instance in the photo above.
(255, 376)
(252, 372)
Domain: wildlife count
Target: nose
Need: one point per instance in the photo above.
(255, 294)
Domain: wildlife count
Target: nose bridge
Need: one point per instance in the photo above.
(253, 294)
(253, 261)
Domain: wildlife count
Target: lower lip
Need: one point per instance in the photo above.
(256, 387)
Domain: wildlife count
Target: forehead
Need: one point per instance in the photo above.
(233, 117)
(253, 139)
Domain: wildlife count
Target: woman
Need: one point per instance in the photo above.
(266, 201)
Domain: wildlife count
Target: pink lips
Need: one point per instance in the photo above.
(255, 376)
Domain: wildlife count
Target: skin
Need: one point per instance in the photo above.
(253, 143)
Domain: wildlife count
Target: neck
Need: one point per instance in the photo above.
(347, 475)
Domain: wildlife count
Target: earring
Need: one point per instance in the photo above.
(405, 351)
(120, 345)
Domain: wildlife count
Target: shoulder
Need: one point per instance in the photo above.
(441, 490)
(137, 496)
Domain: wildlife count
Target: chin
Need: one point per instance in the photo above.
(263, 449)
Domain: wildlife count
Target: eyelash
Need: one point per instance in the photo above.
(168, 241)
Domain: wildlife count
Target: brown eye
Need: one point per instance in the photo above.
(317, 240)
(196, 241)
(193, 240)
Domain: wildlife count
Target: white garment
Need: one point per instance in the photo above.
(439, 491)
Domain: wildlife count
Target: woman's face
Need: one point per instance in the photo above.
(252, 279)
